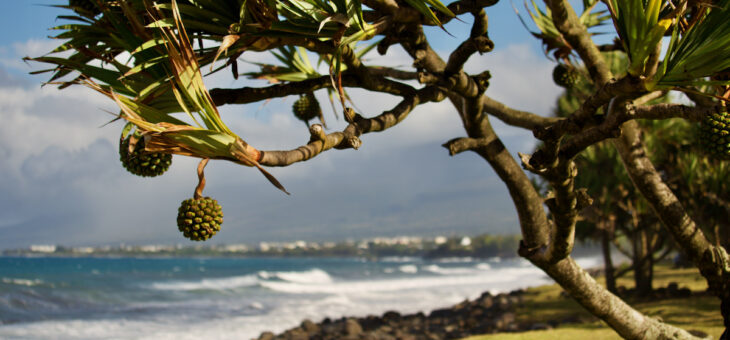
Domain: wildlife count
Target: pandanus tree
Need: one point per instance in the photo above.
(618, 217)
(149, 57)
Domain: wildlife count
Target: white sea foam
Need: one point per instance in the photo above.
(312, 276)
(500, 279)
(483, 266)
(399, 259)
(495, 259)
(22, 282)
(208, 284)
(408, 268)
(455, 259)
(449, 271)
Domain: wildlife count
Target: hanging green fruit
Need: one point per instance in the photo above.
(140, 162)
(199, 218)
(565, 75)
(714, 135)
(306, 108)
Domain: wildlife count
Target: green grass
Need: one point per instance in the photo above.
(545, 304)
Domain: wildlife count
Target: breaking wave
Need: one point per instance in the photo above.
(22, 282)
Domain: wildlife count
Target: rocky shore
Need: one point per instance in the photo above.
(486, 314)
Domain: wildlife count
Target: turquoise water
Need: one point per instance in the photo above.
(221, 298)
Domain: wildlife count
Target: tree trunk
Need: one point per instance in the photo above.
(643, 263)
(725, 236)
(725, 310)
(626, 321)
(609, 271)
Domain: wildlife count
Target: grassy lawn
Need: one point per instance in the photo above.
(546, 305)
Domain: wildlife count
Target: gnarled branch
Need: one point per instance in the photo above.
(349, 137)
(514, 117)
(569, 25)
(247, 95)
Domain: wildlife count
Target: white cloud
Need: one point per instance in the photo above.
(37, 118)
(12, 58)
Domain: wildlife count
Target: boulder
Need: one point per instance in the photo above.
(266, 336)
(352, 327)
(309, 327)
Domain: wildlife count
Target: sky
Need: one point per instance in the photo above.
(62, 182)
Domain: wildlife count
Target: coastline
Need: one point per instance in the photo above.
(86, 298)
(486, 314)
(543, 312)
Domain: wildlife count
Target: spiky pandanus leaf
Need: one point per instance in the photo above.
(551, 38)
(701, 52)
(640, 29)
(166, 79)
(87, 6)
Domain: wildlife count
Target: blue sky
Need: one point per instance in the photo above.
(62, 182)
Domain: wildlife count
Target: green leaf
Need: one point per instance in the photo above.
(701, 52)
(637, 24)
(422, 7)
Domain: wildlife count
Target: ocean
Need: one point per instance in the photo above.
(231, 298)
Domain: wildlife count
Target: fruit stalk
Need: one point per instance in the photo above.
(201, 179)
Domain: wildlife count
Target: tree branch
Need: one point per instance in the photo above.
(478, 41)
(514, 117)
(461, 144)
(389, 72)
(611, 126)
(665, 111)
(246, 95)
(349, 137)
(527, 201)
(426, 59)
(585, 115)
(409, 15)
(569, 25)
(625, 320)
(582, 118)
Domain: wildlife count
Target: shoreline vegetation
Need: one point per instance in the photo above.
(546, 312)
(480, 246)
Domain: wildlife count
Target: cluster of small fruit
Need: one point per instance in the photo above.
(565, 75)
(714, 135)
(198, 218)
(140, 162)
(306, 108)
